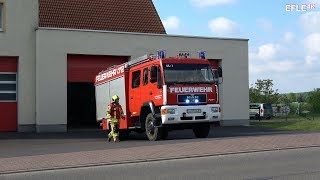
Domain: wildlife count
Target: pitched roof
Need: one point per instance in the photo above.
(110, 15)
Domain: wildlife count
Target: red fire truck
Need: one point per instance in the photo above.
(160, 94)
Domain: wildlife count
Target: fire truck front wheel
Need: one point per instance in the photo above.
(153, 133)
(201, 131)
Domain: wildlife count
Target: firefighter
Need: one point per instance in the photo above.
(114, 114)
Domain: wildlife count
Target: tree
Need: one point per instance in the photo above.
(254, 94)
(263, 91)
(314, 100)
(284, 99)
(292, 97)
(301, 98)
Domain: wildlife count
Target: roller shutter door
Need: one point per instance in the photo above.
(8, 94)
(214, 63)
(83, 68)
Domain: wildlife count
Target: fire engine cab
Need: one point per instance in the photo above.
(160, 94)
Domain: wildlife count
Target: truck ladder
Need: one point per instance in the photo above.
(142, 59)
(139, 60)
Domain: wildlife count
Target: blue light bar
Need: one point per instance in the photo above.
(202, 54)
(161, 54)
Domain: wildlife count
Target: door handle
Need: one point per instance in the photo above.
(131, 98)
(150, 93)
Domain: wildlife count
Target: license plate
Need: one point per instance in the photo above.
(193, 111)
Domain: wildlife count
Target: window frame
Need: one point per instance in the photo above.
(154, 75)
(145, 79)
(10, 92)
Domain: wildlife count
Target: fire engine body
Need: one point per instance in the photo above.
(160, 94)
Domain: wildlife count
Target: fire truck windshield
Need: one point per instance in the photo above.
(188, 73)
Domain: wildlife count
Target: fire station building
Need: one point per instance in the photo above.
(51, 50)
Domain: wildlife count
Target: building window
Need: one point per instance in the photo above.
(1, 16)
(8, 87)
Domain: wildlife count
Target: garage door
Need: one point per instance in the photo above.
(81, 92)
(83, 68)
(214, 63)
(8, 94)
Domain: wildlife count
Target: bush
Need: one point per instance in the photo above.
(293, 108)
(306, 107)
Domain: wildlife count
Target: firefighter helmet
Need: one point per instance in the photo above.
(114, 98)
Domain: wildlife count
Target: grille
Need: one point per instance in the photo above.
(186, 118)
(200, 117)
(202, 98)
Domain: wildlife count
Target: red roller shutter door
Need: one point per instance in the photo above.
(8, 95)
(214, 63)
(83, 68)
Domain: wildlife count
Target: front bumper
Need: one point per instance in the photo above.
(183, 114)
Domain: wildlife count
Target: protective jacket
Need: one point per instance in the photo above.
(114, 112)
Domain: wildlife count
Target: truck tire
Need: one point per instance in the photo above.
(153, 133)
(201, 131)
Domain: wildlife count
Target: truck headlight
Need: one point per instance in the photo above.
(171, 111)
(215, 109)
(168, 111)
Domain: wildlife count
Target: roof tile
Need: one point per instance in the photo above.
(110, 15)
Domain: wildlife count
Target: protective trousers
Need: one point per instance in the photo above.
(114, 133)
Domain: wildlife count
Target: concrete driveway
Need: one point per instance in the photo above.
(27, 144)
(32, 152)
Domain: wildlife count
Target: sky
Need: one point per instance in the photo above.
(284, 42)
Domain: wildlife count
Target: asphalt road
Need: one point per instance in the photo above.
(27, 144)
(284, 164)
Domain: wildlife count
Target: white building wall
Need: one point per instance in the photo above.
(53, 45)
(19, 39)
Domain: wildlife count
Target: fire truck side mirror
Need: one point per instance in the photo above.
(216, 81)
(215, 76)
(219, 71)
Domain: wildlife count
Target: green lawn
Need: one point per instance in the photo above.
(296, 123)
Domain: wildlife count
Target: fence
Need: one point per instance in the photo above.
(303, 109)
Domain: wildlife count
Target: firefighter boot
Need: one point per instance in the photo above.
(109, 138)
(116, 139)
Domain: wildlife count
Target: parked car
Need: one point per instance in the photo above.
(260, 111)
